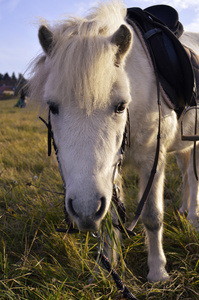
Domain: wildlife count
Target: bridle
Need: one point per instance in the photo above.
(50, 141)
(116, 190)
(115, 196)
(115, 199)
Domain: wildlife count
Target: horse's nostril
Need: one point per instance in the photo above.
(71, 209)
(93, 213)
(101, 209)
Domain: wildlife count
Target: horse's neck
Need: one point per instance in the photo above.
(141, 75)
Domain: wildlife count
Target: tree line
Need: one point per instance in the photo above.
(12, 80)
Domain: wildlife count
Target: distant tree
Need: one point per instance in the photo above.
(6, 77)
(16, 83)
(14, 77)
(21, 82)
(21, 79)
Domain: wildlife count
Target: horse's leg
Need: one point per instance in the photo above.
(183, 160)
(193, 213)
(152, 217)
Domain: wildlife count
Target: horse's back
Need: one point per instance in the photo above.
(191, 40)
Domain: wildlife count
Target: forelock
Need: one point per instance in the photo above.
(81, 66)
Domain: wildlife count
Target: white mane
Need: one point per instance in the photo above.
(82, 58)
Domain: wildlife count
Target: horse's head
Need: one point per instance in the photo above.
(82, 80)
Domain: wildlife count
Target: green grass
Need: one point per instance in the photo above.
(36, 262)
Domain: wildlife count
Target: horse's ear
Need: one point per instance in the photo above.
(46, 39)
(122, 38)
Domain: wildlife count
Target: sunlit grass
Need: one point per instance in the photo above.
(36, 262)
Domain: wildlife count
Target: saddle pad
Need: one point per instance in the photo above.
(170, 60)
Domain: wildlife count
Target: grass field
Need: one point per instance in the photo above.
(36, 262)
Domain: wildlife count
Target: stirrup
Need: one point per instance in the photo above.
(195, 136)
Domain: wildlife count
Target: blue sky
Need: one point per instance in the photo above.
(19, 22)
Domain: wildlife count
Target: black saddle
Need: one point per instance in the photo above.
(168, 16)
(161, 29)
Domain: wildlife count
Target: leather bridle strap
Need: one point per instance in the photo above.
(50, 134)
(150, 181)
(71, 228)
(154, 168)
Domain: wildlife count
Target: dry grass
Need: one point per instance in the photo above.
(36, 262)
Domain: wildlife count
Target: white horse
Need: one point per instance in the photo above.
(91, 71)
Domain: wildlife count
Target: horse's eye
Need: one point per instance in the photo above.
(120, 108)
(54, 108)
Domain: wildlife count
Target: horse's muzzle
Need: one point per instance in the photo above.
(87, 219)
